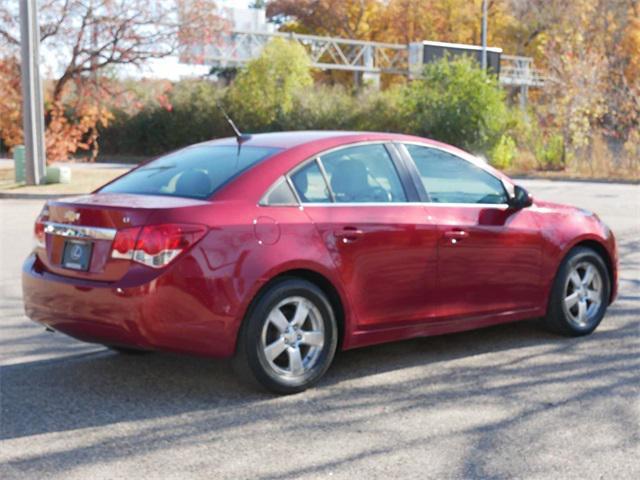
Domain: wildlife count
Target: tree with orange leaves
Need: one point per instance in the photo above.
(10, 106)
(340, 18)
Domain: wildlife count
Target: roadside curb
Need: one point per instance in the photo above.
(35, 196)
(575, 179)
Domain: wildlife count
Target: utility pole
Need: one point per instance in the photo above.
(485, 7)
(32, 110)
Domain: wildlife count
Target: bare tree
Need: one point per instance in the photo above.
(89, 37)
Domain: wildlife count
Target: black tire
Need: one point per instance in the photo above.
(561, 319)
(127, 350)
(251, 362)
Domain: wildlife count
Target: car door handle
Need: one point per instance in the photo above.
(348, 234)
(456, 235)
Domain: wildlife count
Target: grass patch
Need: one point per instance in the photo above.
(83, 180)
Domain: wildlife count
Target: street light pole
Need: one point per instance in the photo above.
(32, 110)
(485, 4)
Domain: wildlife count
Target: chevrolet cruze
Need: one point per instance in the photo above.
(279, 249)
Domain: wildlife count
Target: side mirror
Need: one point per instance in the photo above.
(521, 198)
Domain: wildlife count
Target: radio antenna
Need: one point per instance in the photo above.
(240, 137)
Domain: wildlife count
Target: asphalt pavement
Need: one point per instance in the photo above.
(510, 401)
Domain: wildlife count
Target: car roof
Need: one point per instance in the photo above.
(296, 146)
(292, 139)
(322, 139)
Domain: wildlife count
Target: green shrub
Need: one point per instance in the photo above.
(336, 108)
(456, 102)
(263, 93)
(550, 153)
(382, 111)
(193, 117)
(322, 108)
(503, 152)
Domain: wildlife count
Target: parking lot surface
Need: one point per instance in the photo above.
(503, 402)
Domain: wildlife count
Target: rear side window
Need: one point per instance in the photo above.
(279, 194)
(310, 184)
(194, 172)
(363, 174)
(450, 179)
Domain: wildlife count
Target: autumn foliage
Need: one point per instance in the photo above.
(11, 104)
(588, 50)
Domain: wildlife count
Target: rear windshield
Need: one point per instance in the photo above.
(194, 172)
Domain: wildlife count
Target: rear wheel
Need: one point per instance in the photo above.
(580, 294)
(289, 337)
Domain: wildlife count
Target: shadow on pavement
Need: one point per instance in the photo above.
(197, 400)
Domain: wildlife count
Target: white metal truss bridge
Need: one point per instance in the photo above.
(374, 58)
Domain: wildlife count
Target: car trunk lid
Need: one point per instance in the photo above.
(88, 224)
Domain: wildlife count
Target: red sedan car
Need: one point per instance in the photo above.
(282, 248)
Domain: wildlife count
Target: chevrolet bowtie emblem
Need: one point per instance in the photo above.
(71, 216)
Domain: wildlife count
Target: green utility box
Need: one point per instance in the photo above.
(18, 160)
(58, 174)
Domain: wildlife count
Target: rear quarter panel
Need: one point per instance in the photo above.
(246, 246)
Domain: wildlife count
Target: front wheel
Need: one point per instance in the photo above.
(289, 337)
(580, 294)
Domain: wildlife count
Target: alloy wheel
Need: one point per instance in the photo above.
(292, 337)
(583, 294)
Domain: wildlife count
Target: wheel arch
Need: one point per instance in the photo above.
(318, 279)
(601, 249)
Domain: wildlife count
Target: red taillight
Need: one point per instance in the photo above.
(124, 243)
(155, 245)
(38, 228)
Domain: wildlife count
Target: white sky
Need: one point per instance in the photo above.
(168, 68)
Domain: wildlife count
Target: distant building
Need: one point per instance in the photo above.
(245, 18)
(237, 15)
(236, 19)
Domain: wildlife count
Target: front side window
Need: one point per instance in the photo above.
(451, 179)
(363, 174)
(194, 172)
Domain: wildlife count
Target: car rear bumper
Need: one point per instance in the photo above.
(159, 315)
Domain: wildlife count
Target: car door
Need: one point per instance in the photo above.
(489, 255)
(375, 231)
